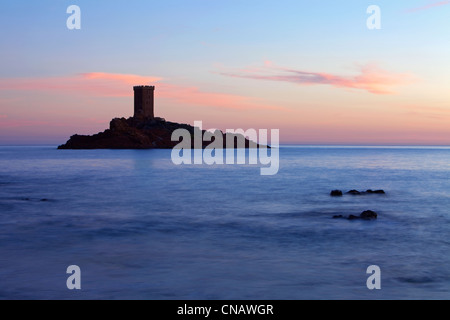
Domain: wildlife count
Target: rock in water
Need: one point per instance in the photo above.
(369, 215)
(366, 215)
(370, 191)
(376, 191)
(336, 193)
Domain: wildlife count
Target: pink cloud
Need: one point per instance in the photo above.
(194, 96)
(429, 6)
(371, 78)
(95, 83)
(120, 85)
(129, 79)
(23, 123)
(438, 113)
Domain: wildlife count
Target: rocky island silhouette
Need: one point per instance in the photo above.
(143, 130)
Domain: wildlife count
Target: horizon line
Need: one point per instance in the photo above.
(281, 145)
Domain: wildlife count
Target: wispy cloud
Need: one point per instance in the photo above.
(429, 6)
(130, 79)
(103, 84)
(438, 113)
(196, 97)
(371, 77)
(20, 123)
(94, 83)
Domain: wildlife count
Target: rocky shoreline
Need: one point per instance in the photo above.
(138, 133)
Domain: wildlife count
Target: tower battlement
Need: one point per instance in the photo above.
(144, 87)
(144, 102)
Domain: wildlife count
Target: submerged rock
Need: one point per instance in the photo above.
(376, 191)
(370, 191)
(366, 215)
(339, 193)
(336, 193)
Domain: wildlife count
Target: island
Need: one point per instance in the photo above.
(143, 130)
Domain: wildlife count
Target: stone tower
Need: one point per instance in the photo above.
(144, 102)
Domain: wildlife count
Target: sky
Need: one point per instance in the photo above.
(312, 69)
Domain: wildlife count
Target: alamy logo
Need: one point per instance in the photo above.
(374, 21)
(74, 281)
(374, 281)
(235, 151)
(74, 20)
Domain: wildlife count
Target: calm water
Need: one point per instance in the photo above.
(141, 228)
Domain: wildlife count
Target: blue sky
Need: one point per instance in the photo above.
(125, 35)
(199, 43)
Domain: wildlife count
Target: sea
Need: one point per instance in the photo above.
(140, 227)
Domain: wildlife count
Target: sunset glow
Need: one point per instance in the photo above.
(337, 83)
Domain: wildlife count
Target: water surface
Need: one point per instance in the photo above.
(140, 227)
